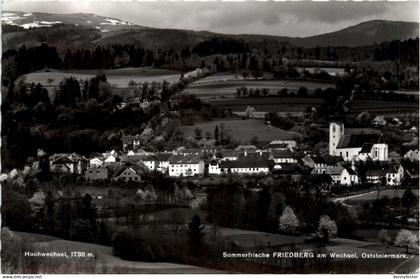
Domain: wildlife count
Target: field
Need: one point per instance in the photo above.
(216, 87)
(383, 106)
(104, 261)
(268, 104)
(117, 77)
(241, 130)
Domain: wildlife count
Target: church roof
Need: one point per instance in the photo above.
(351, 141)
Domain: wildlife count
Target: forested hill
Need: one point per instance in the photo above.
(31, 28)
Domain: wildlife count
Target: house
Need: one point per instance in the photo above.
(409, 172)
(127, 174)
(96, 173)
(335, 173)
(281, 145)
(376, 175)
(96, 162)
(248, 148)
(349, 177)
(186, 165)
(230, 155)
(214, 167)
(283, 156)
(162, 162)
(245, 166)
(68, 163)
(356, 147)
(130, 142)
(393, 175)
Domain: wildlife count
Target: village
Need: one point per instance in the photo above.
(341, 167)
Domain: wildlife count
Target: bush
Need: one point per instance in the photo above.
(407, 239)
(132, 247)
(288, 221)
(326, 228)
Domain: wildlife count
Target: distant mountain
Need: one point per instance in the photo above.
(35, 20)
(112, 31)
(365, 33)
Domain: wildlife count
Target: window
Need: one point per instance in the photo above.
(347, 154)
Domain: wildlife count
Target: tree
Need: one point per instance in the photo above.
(196, 234)
(407, 239)
(326, 228)
(197, 132)
(288, 222)
(249, 111)
(37, 202)
(384, 237)
(216, 133)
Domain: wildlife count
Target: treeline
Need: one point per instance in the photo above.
(232, 205)
(407, 51)
(220, 46)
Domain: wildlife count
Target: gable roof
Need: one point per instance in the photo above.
(350, 171)
(353, 141)
(185, 159)
(246, 164)
(283, 154)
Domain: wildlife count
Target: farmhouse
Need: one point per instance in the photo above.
(127, 174)
(358, 147)
(185, 165)
(68, 163)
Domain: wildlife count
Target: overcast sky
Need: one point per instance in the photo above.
(296, 19)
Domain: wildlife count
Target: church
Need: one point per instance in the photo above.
(359, 147)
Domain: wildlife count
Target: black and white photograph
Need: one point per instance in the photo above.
(183, 137)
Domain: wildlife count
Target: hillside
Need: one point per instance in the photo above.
(104, 30)
(366, 33)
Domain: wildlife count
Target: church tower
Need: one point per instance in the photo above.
(336, 132)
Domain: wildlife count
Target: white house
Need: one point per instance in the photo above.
(214, 167)
(96, 162)
(281, 144)
(349, 177)
(393, 175)
(356, 147)
(245, 167)
(111, 158)
(185, 165)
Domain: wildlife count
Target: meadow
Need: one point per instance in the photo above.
(241, 130)
(219, 88)
(268, 104)
(117, 77)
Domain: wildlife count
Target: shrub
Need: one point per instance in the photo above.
(288, 221)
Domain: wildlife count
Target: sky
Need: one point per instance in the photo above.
(288, 18)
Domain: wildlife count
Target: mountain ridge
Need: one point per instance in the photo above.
(120, 31)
